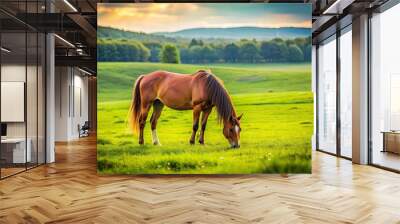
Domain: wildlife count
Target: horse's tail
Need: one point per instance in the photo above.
(134, 110)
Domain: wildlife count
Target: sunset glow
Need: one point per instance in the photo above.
(162, 17)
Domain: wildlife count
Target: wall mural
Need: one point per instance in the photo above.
(194, 88)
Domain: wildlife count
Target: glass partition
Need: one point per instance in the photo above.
(14, 151)
(327, 95)
(22, 88)
(385, 89)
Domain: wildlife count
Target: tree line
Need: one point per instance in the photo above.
(196, 51)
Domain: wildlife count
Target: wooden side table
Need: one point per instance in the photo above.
(391, 141)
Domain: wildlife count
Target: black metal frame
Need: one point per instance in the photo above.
(316, 97)
(369, 90)
(338, 98)
(0, 87)
(44, 80)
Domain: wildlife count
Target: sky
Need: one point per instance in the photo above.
(169, 17)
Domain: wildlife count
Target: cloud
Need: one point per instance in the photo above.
(156, 17)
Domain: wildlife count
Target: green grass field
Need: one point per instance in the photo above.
(276, 127)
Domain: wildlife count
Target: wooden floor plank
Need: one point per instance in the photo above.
(70, 191)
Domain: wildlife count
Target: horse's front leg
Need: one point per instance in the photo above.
(157, 108)
(196, 117)
(204, 119)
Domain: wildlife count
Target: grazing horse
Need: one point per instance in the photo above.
(199, 92)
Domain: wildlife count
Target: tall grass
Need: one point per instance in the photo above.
(276, 127)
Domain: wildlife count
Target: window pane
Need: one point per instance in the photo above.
(385, 114)
(346, 94)
(327, 96)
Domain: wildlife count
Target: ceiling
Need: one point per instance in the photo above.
(330, 15)
(74, 22)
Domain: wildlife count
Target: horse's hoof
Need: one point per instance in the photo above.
(191, 142)
(157, 143)
(141, 142)
(201, 142)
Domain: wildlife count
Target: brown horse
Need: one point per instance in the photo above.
(199, 92)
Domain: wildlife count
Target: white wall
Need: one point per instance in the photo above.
(33, 126)
(81, 102)
(16, 73)
(62, 81)
(11, 73)
(13, 101)
(71, 102)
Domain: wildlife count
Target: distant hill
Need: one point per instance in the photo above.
(113, 33)
(240, 33)
(206, 33)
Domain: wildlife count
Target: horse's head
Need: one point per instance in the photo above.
(232, 130)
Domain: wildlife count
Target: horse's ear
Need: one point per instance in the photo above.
(240, 117)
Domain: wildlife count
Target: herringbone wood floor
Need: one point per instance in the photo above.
(70, 191)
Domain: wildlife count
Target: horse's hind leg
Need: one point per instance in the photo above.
(196, 116)
(157, 108)
(142, 120)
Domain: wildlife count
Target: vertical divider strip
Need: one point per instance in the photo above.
(369, 90)
(0, 94)
(316, 98)
(338, 81)
(37, 89)
(26, 85)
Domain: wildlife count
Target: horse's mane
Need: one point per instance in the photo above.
(218, 95)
